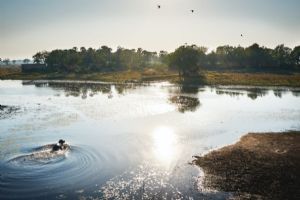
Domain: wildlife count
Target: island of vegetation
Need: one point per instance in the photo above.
(227, 65)
(259, 166)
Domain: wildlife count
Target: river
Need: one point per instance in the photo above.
(128, 141)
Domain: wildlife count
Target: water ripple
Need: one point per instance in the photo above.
(38, 175)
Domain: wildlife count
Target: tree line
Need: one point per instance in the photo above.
(7, 61)
(188, 59)
(102, 59)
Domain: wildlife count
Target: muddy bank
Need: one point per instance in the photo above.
(259, 166)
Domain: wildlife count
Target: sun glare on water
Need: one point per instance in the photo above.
(164, 144)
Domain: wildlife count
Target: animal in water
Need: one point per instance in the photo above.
(44, 153)
(192, 11)
(2, 107)
(158, 6)
(61, 145)
(241, 35)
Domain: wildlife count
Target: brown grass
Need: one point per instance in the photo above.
(5, 72)
(265, 166)
(209, 77)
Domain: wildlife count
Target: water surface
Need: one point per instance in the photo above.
(127, 140)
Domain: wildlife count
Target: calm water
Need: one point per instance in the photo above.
(127, 141)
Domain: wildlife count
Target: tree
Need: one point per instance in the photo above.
(40, 57)
(103, 57)
(186, 59)
(282, 55)
(163, 57)
(295, 56)
(26, 61)
(225, 54)
(254, 55)
(6, 61)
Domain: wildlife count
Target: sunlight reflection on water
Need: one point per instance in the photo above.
(164, 144)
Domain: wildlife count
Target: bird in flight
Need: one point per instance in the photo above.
(158, 6)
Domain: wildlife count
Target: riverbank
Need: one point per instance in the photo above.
(259, 166)
(208, 77)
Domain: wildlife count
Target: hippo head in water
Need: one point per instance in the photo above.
(61, 142)
(60, 145)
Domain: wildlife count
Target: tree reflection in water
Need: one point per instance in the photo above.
(185, 97)
(84, 89)
(185, 103)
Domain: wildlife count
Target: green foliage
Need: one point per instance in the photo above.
(99, 60)
(187, 59)
(295, 55)
(254, 57)
(282, 56)
(40, 57)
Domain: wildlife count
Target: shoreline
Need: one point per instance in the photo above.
(211, 78)
(258, 166)
(163, 83)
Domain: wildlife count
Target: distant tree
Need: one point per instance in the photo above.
(103, 58)
(254, 55)
(6, 61)
(55, 60)
(186, 60)
(202, 60)
(124, 58)
(26, 61)
(224, 54)
(163, 56)
(282, 55)
(71, 60)
(238, 57)
(82, 49)
(212, 59)
(40, 57)
(295, 56)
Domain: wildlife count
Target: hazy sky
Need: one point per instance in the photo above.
(28, 26)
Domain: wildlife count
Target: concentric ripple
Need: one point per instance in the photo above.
(38, 175)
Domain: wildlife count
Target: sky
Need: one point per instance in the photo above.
(29, 26)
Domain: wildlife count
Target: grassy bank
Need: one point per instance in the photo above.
(209, 77)
(259, 166)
